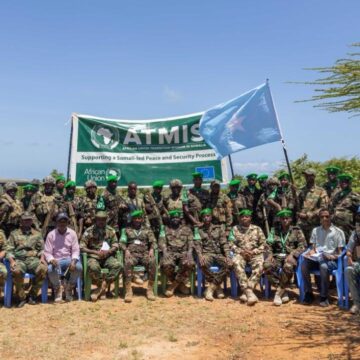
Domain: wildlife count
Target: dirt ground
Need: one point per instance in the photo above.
(180, 327)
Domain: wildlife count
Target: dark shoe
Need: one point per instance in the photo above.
(324, 302)
(31, 300)
(21, 303)
(308, 299)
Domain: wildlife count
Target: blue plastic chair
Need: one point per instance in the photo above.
(8, 288)
(338, 273)
(346, 285)
(200, 277)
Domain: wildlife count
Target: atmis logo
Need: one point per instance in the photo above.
(104, 137)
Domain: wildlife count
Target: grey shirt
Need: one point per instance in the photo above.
(354, 246)
(327, 241)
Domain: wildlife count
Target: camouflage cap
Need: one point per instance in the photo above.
(101, 214)
(62, 216)
(175, 182)
(26, 216)
(309, 171)
(90, 183)
(10, 185)
(36, 182)
(215, 182)
(273, 181)
(49, 180)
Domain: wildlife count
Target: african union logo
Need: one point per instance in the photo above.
(104, 137)
(115, 172)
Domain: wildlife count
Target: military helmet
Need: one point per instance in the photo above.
(175, 182)
(10, 185)
(273, 181)
(49, 180)
(90, 183)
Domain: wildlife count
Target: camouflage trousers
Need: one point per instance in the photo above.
(215, 260)
(279, 272)
(95, 266)
(168, 266)
(3, 274)
(31, 265)
(140, 258)
(240, 264)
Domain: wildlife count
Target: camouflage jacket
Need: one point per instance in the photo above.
(331, 188)
(22, 245)
(2, 241)
(176, 239)
(221, 209)
(137, 240)
(154, 206)
(343, 207)
(10, 211)
(46, 206)
(113, 203)
(202, 195)
(94, 237)
(291, 243)
(72, 206)
(251, 196)
(286, 198)
(212, 241)
(269, 208)
(310, 202)
(238, 203)
(88, 210)
(136, 203)
(251, 238)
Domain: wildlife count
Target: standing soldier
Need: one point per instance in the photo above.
(10, 209)
(221, 207)
(247, 242)
(24, 251)
(238, 200)
(176, 245)
(60, 185)
(251, 192)
(198, 191)
(284, 245)
(262, 180)
(154, 207)
(29, 191)
(138, 244)
(89, 205)
(287, 192)
(100, 243)
(3, 270)
(212, 248)
(332, 184)
(343, 205)
(311, 199)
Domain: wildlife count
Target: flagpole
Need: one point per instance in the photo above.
(281, 134)
(231, 166)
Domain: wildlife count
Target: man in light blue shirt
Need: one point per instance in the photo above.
(326, 243)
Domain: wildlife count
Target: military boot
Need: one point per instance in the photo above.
(243, 297)
(209, 292)
(219, 292)
(104, 286)
(128, 292)
(150, 291)
(137, 279)
(278, 295)
(251, 297)
(171, 289)
(285, 297)
(95, 294)
(184, 289)
(69, 290)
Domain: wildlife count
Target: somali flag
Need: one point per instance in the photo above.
(242, 123)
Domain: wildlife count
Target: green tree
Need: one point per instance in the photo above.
(56, 173)
(340, 87)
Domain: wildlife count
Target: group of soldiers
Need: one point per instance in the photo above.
(260, 228)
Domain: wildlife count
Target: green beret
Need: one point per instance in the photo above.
(158, 184)
(101, 214)
(70, 183)
(234, 182)
(333, 169)
(111, 178)
(346, 177)
(197, 174)
(252, 176)
(29, 187)
(206, 211)
(262, 177)
(176, 212)
(60, 178)
(283, 175)
(245, 212)
(137, 213)
(284, 213)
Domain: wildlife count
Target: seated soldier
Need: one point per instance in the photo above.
(284, 245)
(24, 251)
(62, 254)
(138, 243)
(176, 245)
(352, 272)
(247, 241)
(327, 242)
(99, 241)
(3, 271)
(212, 248)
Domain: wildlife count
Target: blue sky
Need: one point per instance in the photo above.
(142, 59)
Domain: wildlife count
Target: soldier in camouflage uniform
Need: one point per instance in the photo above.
(60, 185)
(238, 200)
(286, 193)
(3, 271)
(251, 192)
(247, 242)
(154, 207)
(89, 205)
(262, 181)
(99, 241)
(176, 245)
(114, 203)
(221, 207)
(343, 205)
(10, 209)
(311, 199)
(331, 186)
(284, 246)
(212, 248)
(138, 244)
(29, 191)
(198, 191)
(24, 251)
